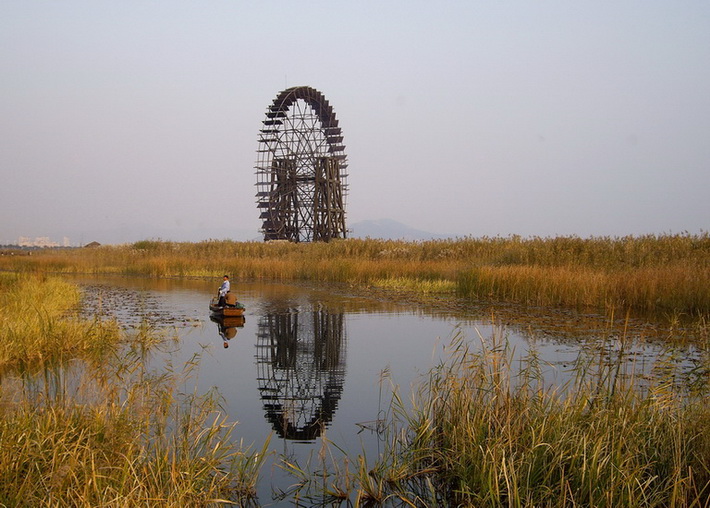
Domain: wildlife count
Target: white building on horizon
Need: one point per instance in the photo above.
(41, 241)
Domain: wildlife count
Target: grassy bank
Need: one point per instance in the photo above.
(84, 421)
(655, 274)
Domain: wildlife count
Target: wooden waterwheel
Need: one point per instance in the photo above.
(301, 163)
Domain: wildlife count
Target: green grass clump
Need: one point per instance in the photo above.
(415, 286)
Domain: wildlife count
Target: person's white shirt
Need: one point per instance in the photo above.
(224, 288)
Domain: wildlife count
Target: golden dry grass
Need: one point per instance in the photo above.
(656, 274)
(85, 422)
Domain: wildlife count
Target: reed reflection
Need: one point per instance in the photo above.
(227, 327)
(301, 370)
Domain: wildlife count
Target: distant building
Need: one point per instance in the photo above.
(40, 241)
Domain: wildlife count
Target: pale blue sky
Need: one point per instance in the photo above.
(128, 120)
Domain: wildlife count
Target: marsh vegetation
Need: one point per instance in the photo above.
(666, 274)
(481, 431)
(84, 421)
(89, 419)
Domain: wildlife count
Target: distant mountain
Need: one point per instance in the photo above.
(389, 229)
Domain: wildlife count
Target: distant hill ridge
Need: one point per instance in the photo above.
(388, 229)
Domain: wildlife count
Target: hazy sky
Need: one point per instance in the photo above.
(121, 121)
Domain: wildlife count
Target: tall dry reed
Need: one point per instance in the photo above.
(483, 430)
(653, 273)
(87, 420)
(35, 326)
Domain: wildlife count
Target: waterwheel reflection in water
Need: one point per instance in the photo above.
(301, 370)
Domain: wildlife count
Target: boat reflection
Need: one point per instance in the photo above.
(301, 370)
(227, 327)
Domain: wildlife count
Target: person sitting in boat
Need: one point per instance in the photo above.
(223, 290)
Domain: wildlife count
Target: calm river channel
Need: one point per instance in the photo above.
(307, 361)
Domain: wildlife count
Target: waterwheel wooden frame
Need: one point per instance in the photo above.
(300, 168)
(301, 357)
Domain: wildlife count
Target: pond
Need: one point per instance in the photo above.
(310, 364)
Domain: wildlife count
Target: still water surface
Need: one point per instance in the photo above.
(307, 362)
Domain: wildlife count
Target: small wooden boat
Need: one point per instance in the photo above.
(228, 322)
(231, 308)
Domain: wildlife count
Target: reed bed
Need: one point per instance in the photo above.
(35, 329)
(664, 289)
(665, 274)
(86, 421)
(482, 429)
(82, 425)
